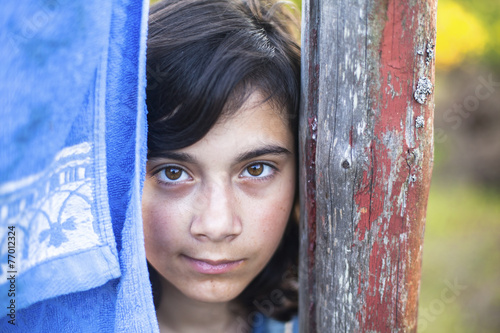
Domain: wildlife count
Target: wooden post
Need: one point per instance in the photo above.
(366, 148)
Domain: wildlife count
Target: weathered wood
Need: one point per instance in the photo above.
(366, 157)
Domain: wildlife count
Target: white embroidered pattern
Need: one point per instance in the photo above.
(53, 211)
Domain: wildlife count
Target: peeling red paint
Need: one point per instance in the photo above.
(383, 309)
(380, 299)
(363, 199)
(371, 276)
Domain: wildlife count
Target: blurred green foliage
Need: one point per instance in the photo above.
(488, 13)
(467, 30)
(462, 238)
(461, 248)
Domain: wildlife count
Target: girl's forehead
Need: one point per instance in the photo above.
(254, 104)
(255, 124)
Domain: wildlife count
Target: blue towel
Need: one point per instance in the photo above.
(265, 324)
(72, 160)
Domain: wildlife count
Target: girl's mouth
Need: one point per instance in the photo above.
(208, 266)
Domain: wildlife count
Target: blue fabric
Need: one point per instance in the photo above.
(73, 151)
(269, 325)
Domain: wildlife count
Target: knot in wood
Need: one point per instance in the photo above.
(410, 158)
(346, 164)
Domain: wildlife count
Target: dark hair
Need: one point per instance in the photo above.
(204, 58)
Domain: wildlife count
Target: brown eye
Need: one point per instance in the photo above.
(173, 173)
(255, 169)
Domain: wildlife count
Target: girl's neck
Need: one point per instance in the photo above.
(178, 313)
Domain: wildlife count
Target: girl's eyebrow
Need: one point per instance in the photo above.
(181, 157)
(187, 158)
(266, 150)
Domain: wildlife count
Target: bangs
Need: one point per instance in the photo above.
(202, 68)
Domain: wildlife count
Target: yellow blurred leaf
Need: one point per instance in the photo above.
(459, 34)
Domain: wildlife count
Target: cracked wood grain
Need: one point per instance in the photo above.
(366, 158)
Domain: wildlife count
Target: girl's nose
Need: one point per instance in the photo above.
(217, 219)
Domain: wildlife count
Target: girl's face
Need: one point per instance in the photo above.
(215, 212)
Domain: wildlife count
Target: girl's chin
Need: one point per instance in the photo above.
(213, 293)
(209, 290)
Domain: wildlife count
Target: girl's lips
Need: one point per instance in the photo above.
(206, 266)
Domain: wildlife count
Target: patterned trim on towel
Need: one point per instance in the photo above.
(52, 211)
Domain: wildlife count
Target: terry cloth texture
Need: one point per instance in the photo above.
(72, 158)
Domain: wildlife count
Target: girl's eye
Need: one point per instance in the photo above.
(172, 174)
(258, 170)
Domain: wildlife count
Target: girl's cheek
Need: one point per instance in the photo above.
(272, 212)
(162, 215)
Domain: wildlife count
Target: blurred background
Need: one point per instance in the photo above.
(460, 289)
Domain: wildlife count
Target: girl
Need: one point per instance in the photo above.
(222, 96)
